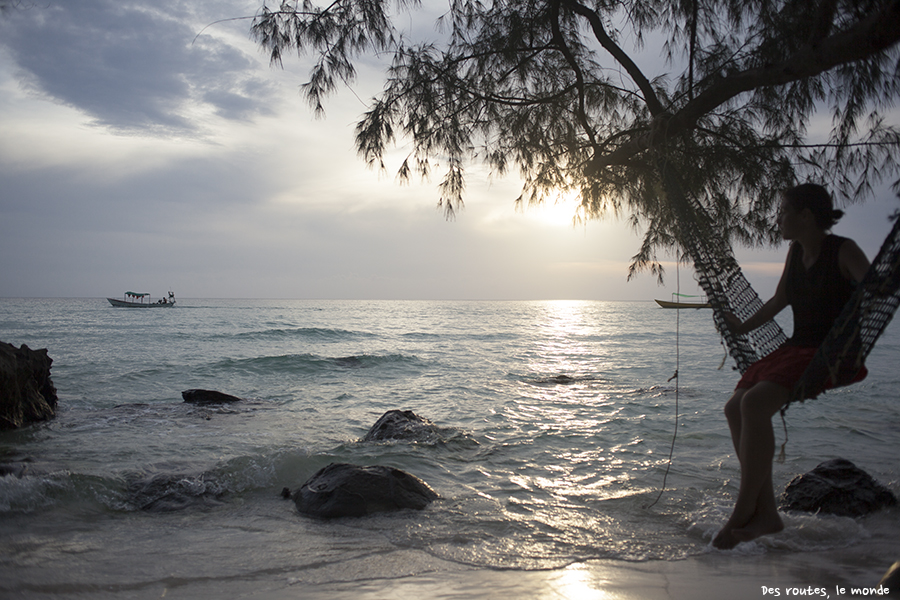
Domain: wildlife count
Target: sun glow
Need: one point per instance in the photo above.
(558, 211)
(578, 583)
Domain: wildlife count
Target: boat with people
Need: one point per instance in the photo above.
(137, 300)
(675, 302)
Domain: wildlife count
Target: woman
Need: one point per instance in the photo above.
(818, 278)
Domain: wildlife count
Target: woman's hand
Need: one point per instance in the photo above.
(733, 323)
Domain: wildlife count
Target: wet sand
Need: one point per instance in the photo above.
(714, 576)
(749, 572)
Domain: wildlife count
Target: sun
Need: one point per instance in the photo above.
(555, 211)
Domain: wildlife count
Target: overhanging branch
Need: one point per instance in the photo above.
(876, 33)
(653, 104)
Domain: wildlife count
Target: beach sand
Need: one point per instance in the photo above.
(713, 576)
(736, 575)
(347, 569)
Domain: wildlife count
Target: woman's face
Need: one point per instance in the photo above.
(789, 220)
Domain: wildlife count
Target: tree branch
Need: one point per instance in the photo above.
(874, 34)
(650, 98)
(579, 75)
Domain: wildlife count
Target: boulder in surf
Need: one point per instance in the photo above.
(27, 394)
(401, 425)
(836, 487)
(346, 490)
(208, 397)
(16, 470)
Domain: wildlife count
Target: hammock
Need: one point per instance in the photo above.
(850, 340)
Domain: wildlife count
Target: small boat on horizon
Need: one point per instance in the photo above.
(136, 300)
(676, 303)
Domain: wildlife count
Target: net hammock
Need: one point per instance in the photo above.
(862, 321)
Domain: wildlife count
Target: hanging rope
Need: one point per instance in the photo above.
(675, 377)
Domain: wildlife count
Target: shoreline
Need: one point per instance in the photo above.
(713, 575)
(749, 572)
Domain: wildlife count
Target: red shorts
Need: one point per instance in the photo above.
(786, 365)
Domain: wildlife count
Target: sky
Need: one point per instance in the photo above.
(144, 148)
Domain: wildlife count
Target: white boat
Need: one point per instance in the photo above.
(137, 300)
(676, 303)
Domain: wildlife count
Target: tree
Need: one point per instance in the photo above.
(547, 87)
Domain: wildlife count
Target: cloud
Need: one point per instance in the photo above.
(225, 185)
(132, 68)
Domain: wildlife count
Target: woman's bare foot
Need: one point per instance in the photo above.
(725, 539)
(758, 526)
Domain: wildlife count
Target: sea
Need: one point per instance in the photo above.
(567, 432)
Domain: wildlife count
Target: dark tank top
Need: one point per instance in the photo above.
(818, 294)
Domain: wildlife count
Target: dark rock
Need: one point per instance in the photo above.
(208, 397)
(836, 487)
(15, 469)
(401, 425)
(27, 394)
(561, 379)
(344, 490)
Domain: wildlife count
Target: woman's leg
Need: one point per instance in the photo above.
(733, 415)
(749, 414)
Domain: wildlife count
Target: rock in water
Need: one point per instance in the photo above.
(836, 487)
(401, 425)
(27, 394)
(344, 490)
(208, 397)
(17, 470)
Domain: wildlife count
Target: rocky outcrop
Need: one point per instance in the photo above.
(836, 487)
(345, 490)
(208, 397)
(17, 470)
(401, 425)
(27, 394)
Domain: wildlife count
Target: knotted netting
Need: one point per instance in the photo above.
(720, 277)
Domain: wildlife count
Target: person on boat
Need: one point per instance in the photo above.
(819, 275)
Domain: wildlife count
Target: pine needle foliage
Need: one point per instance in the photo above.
(555, 90)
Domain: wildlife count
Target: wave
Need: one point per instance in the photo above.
(467, 335)
(310, 333)
(127, 493)
(312, 363)
(152, 490)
